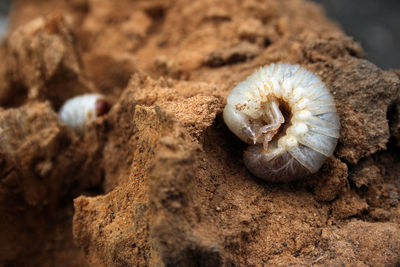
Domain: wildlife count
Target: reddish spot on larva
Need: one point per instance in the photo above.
(102, 107)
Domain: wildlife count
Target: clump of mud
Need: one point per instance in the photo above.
(160, 180)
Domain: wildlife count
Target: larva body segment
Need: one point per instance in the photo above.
(79, 110)
(288, 117)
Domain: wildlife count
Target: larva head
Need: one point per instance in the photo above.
(101, 107)
(239, 124)
(287, 112)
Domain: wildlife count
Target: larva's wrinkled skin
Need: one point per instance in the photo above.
(288, 117)
(79, 110)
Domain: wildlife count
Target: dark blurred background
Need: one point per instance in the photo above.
(373, 23)
(4, 7)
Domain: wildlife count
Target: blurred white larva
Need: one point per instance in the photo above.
(289, 118)
(79, 110)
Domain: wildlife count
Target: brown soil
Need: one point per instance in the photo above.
(160, 179)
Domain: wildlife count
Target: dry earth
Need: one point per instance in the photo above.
(160, 180)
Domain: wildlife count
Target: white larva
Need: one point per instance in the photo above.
(289, 118)
(79, 110)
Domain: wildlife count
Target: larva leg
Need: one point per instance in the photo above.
(275, 119)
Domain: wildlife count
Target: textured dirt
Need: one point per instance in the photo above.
(160, 180)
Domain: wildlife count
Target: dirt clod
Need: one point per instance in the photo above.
(159, 180)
